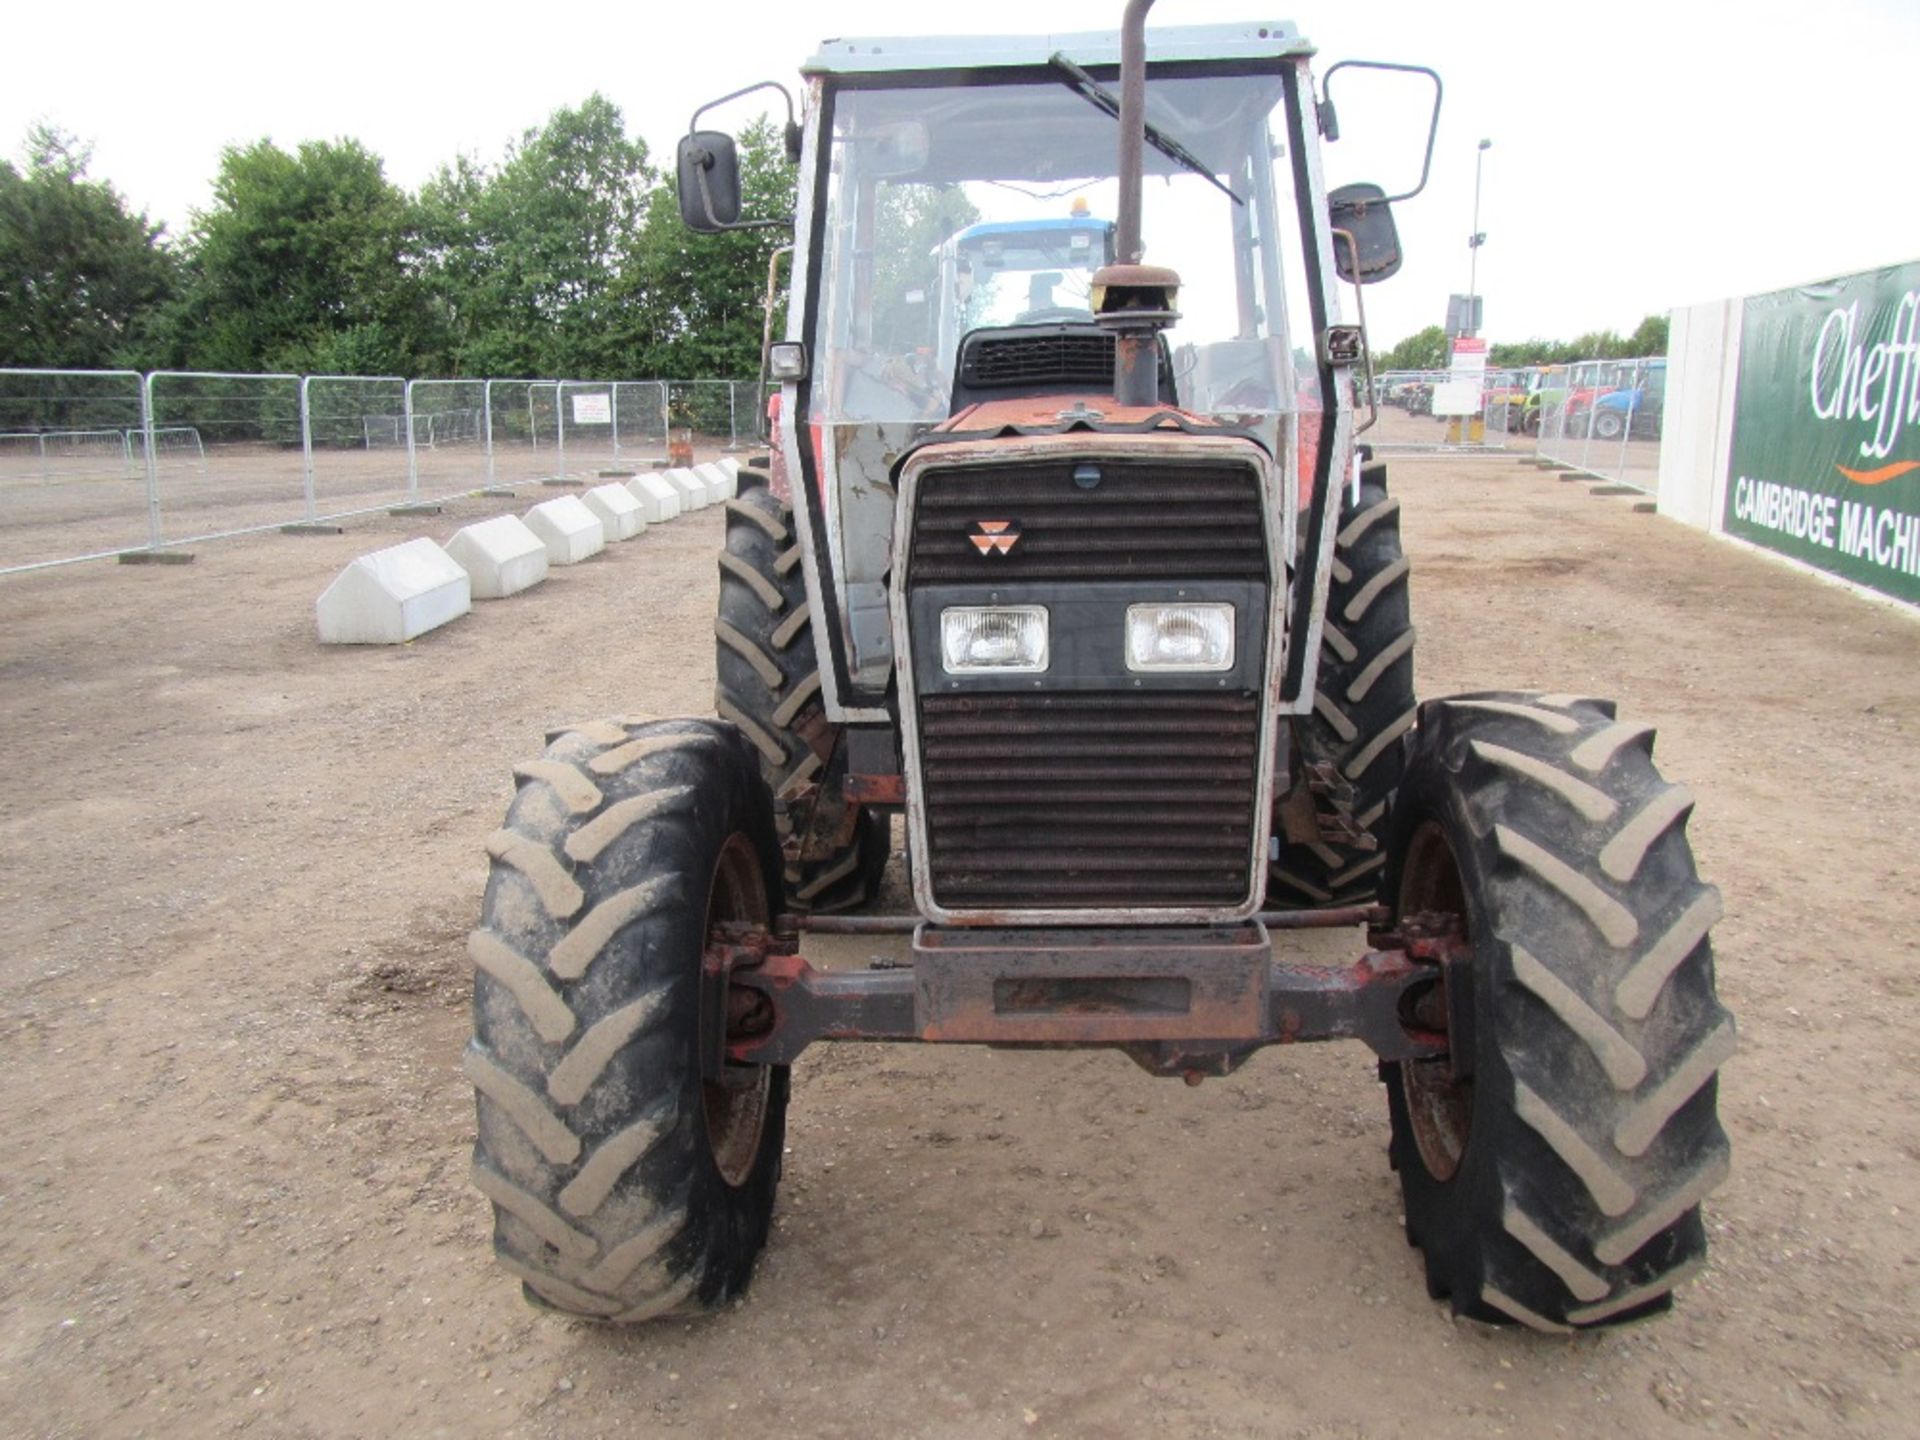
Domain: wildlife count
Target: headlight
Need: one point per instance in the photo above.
(999, 639)
(1180, 637)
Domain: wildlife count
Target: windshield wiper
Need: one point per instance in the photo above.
(1101, 98)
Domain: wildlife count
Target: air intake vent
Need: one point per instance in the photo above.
(1089, 801)
(1139, 519)
(1038, 358)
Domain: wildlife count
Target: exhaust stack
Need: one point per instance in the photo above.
(1134, 301)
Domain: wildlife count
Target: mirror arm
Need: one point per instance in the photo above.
(1325, 108)
(1366, 345)
(761, 425)
(694, 124)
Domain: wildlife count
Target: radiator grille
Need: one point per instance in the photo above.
(1142, 520)
(1067, 359)
(1084, 801)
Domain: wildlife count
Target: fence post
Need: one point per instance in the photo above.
(306, 446)
(613, 389)
(1586, 441)
(413, 459)
(486, 406)
(153, 463)
(560, 429)
(733, 416)
(1638, 403)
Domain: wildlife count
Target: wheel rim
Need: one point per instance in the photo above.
(736, 1116)
(1439, 1108)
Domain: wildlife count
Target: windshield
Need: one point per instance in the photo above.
(1021, 274)
(959, 207)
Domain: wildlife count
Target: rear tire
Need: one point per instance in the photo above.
(768, 684)
(1363, 707)
(1559, 1185)
(624, 1185)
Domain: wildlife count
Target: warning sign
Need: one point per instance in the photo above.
(592, 409)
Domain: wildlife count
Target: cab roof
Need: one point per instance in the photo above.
(1249, 40)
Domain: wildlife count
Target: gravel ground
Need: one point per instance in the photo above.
(235, 880)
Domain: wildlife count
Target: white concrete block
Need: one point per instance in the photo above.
(728, 464)
(501, 556)
(570, 531)
(658, 499)
(392, 595)
(717, 481)
(619, 513)
(693, 490)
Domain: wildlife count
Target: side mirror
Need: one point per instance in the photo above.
(708, 179)
(1363, 212)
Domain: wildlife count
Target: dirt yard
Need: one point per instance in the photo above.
(235, 879)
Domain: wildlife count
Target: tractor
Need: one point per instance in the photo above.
(1095, 591)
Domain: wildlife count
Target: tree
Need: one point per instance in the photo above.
(1423, 350)
(526, 261)
(304, 263)
(692, 304)
(1649, 337)
(82, 278)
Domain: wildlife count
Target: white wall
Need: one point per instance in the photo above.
(1696, 441)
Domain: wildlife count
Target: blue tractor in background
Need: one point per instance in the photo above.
(1639, 406)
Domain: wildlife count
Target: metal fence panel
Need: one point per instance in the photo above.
(239, 462)
(72, 465)
(1604, 417)
(584, 423)
(357, 443)
(450, 450)
(706, 409)
(96, 463)
(524, 419)
(640, 423)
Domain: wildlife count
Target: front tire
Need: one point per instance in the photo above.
(1363, 705)
(1559, 1185)
(767, 682)
(624, 1185)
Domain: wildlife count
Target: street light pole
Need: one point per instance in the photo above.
(1474, 242)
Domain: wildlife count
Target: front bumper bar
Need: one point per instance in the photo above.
(1192, 1001)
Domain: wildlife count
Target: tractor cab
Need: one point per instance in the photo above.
(947, 251)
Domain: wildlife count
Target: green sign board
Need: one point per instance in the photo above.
(1826, 428)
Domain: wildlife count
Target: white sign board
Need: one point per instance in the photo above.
(592, 409)
(1469, 358)
(1456, 397)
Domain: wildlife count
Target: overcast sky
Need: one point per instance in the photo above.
(1645, 155)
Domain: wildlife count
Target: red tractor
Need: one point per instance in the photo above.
(1121, 629)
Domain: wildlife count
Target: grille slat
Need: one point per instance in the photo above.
(1221, 844)
(1147, 747)
(989, 891)
(1089, 800)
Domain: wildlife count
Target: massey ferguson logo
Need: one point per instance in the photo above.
(991, 537)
